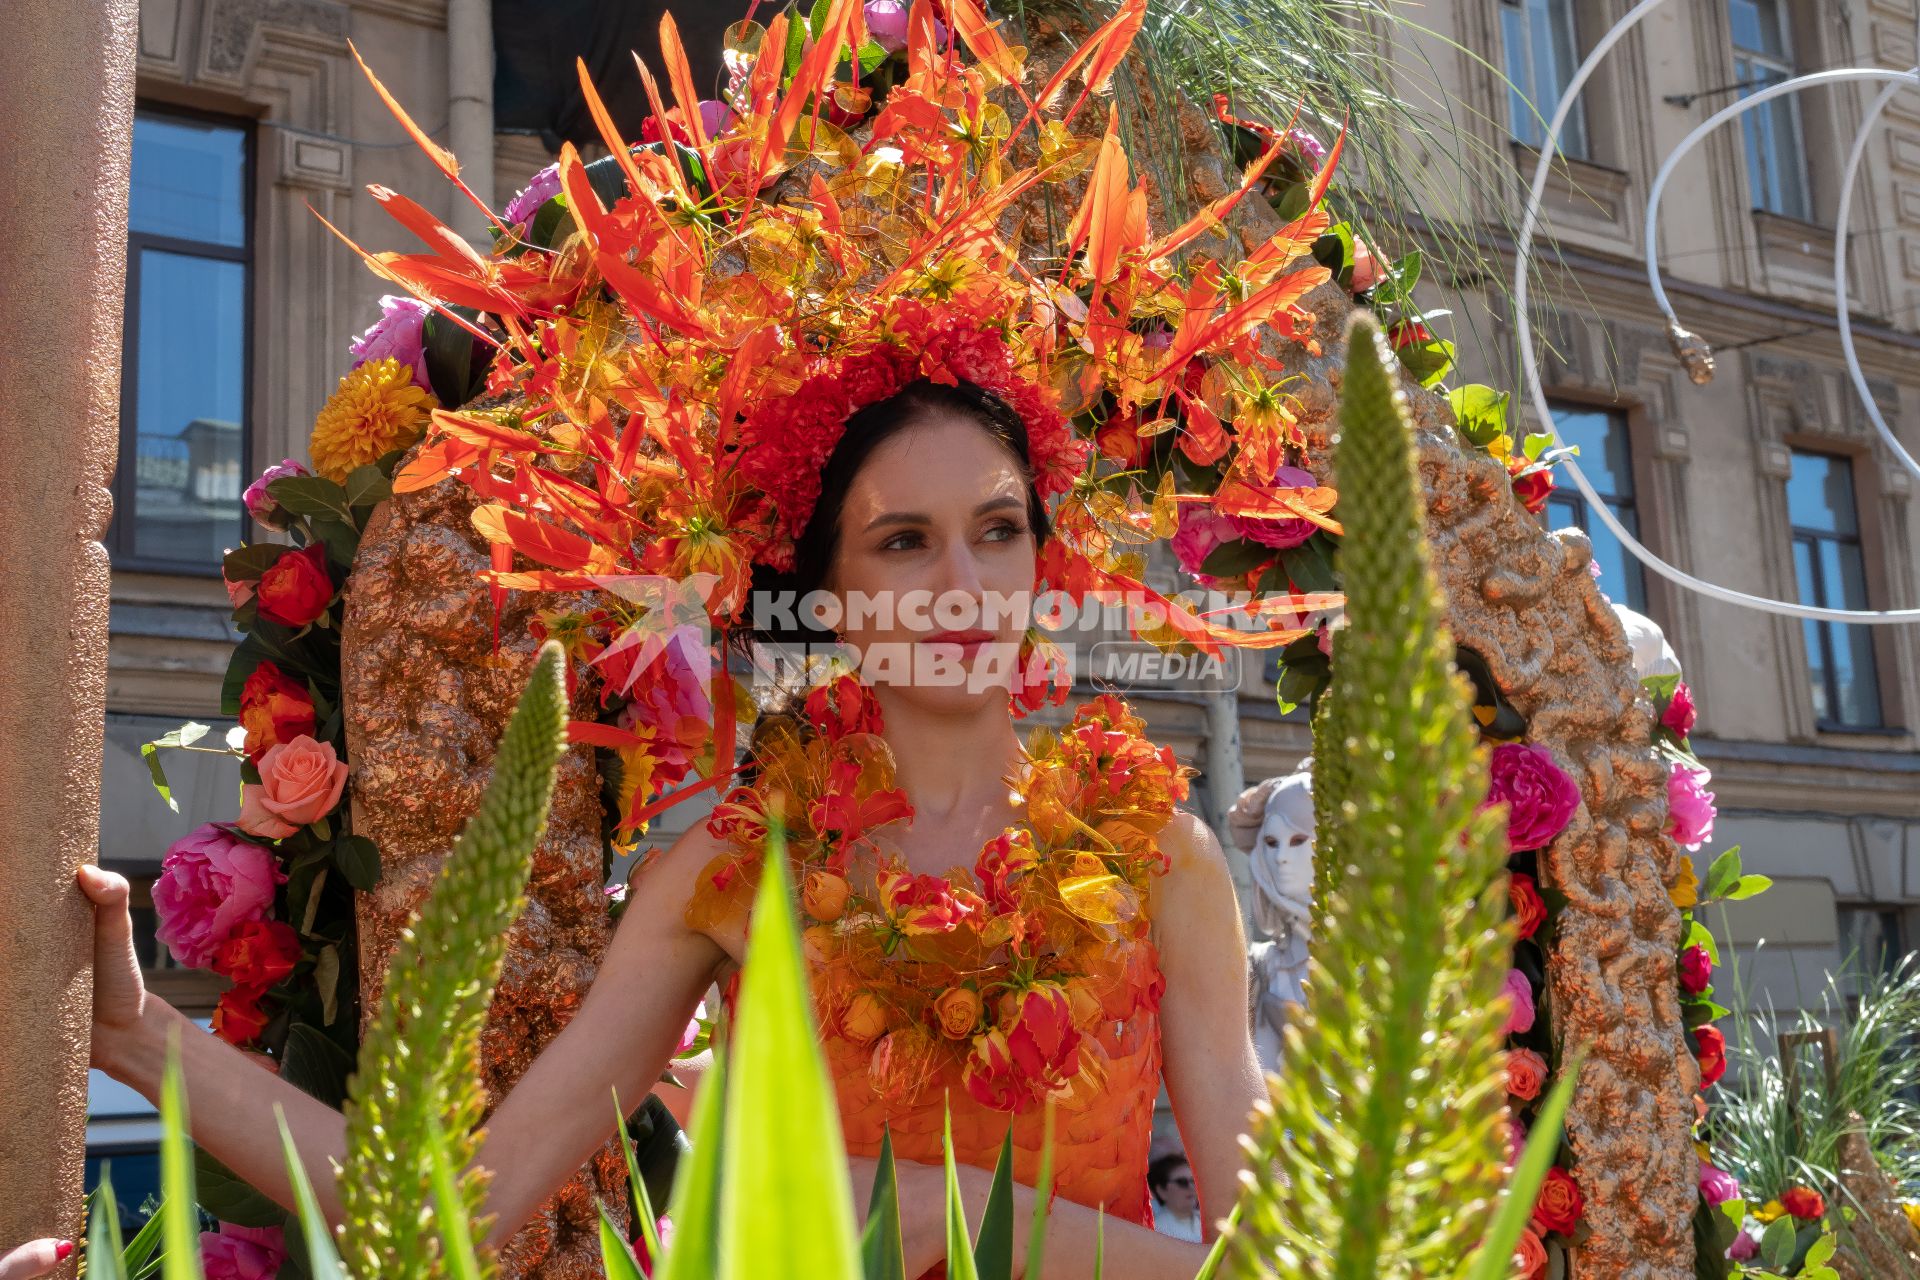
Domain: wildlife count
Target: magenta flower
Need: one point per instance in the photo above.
(716, 117)
(887, 24)
(1680, 713)
(1279, 532)
(540, 188)
(1717, 1185)
(1202, 530)
(1744, 1248)
(242, 1253)
(400, 333)
(1539, 795)
(1519, 993)
(1690, 810)
(1696, 970)
(211, 882)
(260, 504)
(668, 680)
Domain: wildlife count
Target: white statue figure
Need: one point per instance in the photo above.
(1273, 824)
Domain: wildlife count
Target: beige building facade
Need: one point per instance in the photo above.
(253, 118)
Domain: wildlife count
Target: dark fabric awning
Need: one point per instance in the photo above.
(536, 88)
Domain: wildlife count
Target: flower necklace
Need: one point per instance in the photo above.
(996, 972)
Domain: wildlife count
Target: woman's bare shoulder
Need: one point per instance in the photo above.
(1191, 847)
(665, 881)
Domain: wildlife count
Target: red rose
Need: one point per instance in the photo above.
(1409, 333)
(1528, 907)
(1533, 488)
(1696, 970)
(1804, 1203)
(1680, 713)
(1712, 1053)
(238, 1018)
(258, 954)
(274, 709)
(1559, 1205)
(296, 588)
(1042, 1038)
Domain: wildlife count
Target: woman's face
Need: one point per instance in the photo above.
(1178, 1193)
(935, 563)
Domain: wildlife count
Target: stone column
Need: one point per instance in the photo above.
(66, 129)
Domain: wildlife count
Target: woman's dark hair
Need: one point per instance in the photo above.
(867, 429)
(1162, 1169)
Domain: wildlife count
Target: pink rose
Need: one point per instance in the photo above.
(1696, 969)
(1690, 810)
(1680, 713)
(260, 504)
(242, 1253)
(1519, 994)
(1280, 532)
(210, 884)
(1202, 530)
(1717, 1185)
(1539, 795)
(887, 24)
(238, 593)
(716, 117)
(400, 332)
(1367, 271)
(1744, 1248)
(300, 783)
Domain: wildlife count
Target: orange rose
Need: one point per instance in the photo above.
(1529, 909)
(1559, 1205)
(958, 1012)
(296, 588)
(258, 954)
(1526, 1072)
(238, 1018)
(300, 783)
(864, 1018)
(824, 895)
(1529, 1256)
(1804, 1203)
(274, 708)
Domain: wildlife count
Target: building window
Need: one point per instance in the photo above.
(184, 374)
(1831, 572)
(1872, 944)
(1541, 52)
(1776, 146)
(1606, 459)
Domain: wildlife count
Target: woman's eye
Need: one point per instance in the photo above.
(901, 542)
(1004, 531)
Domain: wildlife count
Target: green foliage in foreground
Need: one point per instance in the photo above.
(1382, 1152)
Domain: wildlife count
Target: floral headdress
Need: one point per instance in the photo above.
(678, 334)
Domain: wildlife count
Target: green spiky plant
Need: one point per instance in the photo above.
(419, 1060)
(1383, 1151)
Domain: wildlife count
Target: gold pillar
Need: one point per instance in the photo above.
(66, 128)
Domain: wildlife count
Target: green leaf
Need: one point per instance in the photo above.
(882, 1253)
(1042, 1198)
(1242, 555)
(694, 1210)
(1495, 1259)
(1778, 1240)
(326, 980)
(790, 1217)
(449, 354)
(1698, 935)
(1100, 1243)
(228, 1196)
(1749, 887)
(310, 496)
(104, 1246)
(817, 19)
(1429, 362)
(367, 486)
(993, 1251)
(960, 1264)
(1310, 565)
(314, 1064)
(553, 221)
(321, 1255)
(141, 1256)
(796, 48)
(1821, 1250)
(1479, 412)
(1218, 1253)
(649, 1228)
(456, 1234)
(181, 1229)
(1724, 874)
(359, 861)
(616, 1256)
(871, 55)
(1335, 251)
(150, 752)
(246, 564)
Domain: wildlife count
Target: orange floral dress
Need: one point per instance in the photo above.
(1028, 978)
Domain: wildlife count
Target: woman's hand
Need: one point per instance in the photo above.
(119, 993)
(35, 1257)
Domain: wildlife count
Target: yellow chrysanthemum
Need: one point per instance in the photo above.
(376, 410)
(1771, 1211)
(1686, 888)
(1912, 1208)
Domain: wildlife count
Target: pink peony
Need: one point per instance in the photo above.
(1202, 530)
(541, 187)
(400, 332)
(1690, 810)
(1283, 531)
(1519, 993)
(1680, 713)
(1717, 1185)
(211, 882)
(300, 783)
(260, 504)
(1744, 1248)
(887, 24)
(242, 1253)
(1539, 795)
(1696, 970)
(716, 117)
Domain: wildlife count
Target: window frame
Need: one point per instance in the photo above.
(1785, 66)
(120, 539)
(1576, 140)
(1796, 534)
(1626, 419)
